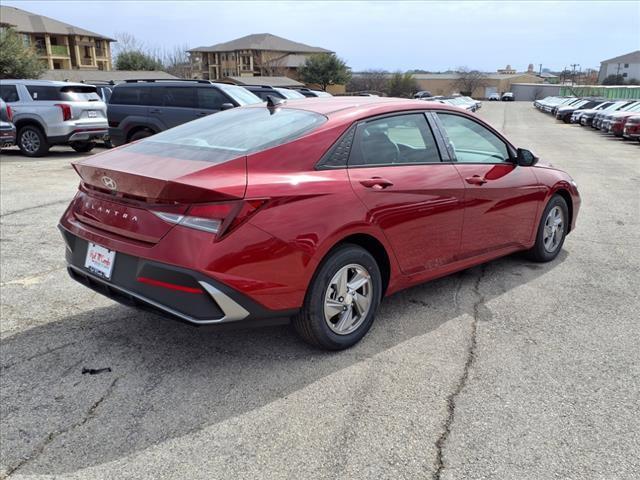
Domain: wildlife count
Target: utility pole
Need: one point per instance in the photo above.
(540, 69)
(573, 74)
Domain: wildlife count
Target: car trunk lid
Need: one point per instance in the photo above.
(122, 188)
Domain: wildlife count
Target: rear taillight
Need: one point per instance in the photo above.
(215, 218)
(66, 111)
(9, 113)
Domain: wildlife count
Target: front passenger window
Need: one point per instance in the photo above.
(472, 142)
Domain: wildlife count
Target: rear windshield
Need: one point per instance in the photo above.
(72, 93)
(230, 134)
(239, 94)
(290, 94)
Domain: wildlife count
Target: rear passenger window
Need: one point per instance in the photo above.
(132, 96)
(399, 140)
(184, 97)
(40, 93)
(211, 99)
(9, 93)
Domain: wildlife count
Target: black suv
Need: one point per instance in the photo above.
(307, 92)
(140, 108)
(264, 91)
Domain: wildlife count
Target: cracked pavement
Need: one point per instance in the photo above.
(510, 370)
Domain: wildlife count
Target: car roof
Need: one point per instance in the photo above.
(49, 83)
(165, 83)
(355, 107)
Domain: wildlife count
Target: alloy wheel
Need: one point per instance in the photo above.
(30, 141)
(553, 229)
(348, 299)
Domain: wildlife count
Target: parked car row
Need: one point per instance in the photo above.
(47, 113)
(505, 97)
(460, 101)
(617, 117)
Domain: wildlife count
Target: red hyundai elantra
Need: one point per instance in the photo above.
(314, 209)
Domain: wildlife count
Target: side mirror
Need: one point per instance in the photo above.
(526, 158)
(227, 106)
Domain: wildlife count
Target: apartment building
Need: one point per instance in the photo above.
(260, 54)
(60, 45)
(627, 65)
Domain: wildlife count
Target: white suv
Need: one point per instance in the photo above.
(48, 113)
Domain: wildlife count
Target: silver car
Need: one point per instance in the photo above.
(48, 113)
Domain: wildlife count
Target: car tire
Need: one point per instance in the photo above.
(342, 299)
(140, 134)
(82, 147)
(32, 141)
(552, 231)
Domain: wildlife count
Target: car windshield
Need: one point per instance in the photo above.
(290, 94)
(320, 93)
(230, 134)
(239, 94)
(630, 107)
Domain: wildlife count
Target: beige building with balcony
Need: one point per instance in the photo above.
(256, 55)
(60, 45)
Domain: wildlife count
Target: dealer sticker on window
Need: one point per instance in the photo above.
(100, 260)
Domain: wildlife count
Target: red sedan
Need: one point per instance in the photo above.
(313, 209)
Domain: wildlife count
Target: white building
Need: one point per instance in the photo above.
(626, 65)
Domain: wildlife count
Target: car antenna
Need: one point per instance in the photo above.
(274, 102)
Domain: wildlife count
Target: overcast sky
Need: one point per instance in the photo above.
(390, 35)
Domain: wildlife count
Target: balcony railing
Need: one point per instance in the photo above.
(101, 53)
(60, 50)
(86, 61)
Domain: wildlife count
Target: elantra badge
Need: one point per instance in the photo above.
(110, 183)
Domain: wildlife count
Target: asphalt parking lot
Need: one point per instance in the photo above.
(512, 370)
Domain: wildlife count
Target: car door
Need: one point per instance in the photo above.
(176, 106)
(501, 199)
(395, 169)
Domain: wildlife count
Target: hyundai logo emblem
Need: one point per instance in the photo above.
(109, 182)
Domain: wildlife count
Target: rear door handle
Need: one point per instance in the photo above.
(376, 182)
(476, 180)
(155, 110)
(203, 114)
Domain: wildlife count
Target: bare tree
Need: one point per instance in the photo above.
(173, 60)
(371, 81)
(469, 80)
(271, 64)
(176, 61)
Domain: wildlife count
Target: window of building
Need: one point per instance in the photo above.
(626, 65)
(472, 142)
(624, 75)
(398, 140)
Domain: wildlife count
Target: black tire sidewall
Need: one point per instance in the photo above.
(82, 146)
(139, 135)
(538, 252)
(44, 145)
(314, 302)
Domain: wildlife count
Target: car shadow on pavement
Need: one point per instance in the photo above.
(164, 379)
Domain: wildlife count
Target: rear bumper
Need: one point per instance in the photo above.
(7, 136)
(79, 135)
(206, 302)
